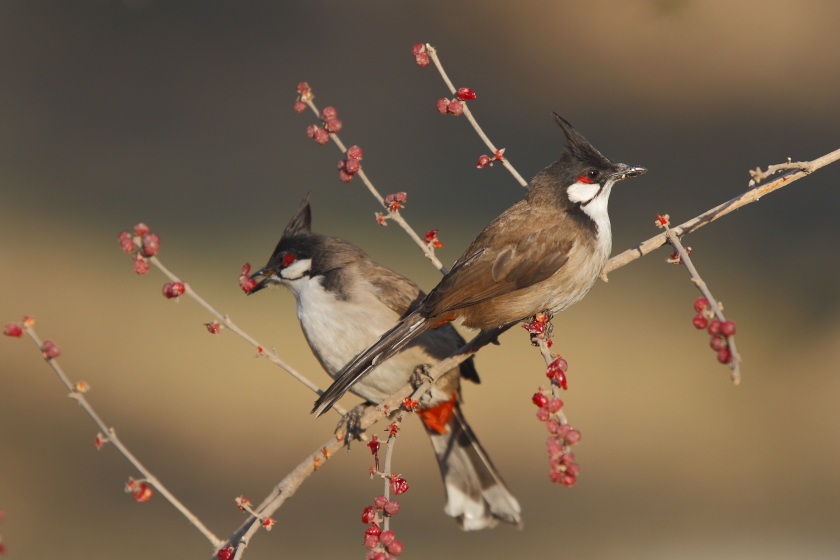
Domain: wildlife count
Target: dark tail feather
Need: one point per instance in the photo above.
(476, 496)
(388, 344)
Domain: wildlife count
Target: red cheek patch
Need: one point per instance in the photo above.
(584, 179)
(288, 259)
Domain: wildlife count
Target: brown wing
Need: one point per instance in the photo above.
(394, 290)
(523, 254)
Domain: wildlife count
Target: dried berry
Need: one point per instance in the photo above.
(387, 537)
(334, 125)
(543, 414)
(483, 161)
(443, 105)
(225, 553)
(466, 94)
(50, 350)
(354, 152)
(371, 541)
(126, 242)
(379, 502)
(141, 229)
(321, 136)
(310, 130)
(141, 265)
(700, 304)
(717, 343)
(568, 480)
(329, 113)
(554, 405)
(724, 356)
(303, 88)
(392, 508)
(418, 48)
(395, 548)
(455, 107)
(573, 437)
(173, 289)
(151, 244)
(13, 330)
(727, 328)
(714, 327)
(700, 322)
(300, 106)
(344, 176)
(395, 201)
(352, 166)
(421, 59)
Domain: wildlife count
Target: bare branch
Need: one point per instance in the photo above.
(758, 175)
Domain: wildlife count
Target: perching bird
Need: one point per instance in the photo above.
(542, 254)
(345, 301)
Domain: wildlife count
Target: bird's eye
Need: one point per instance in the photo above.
(593, 175)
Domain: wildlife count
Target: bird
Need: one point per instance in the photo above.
(542, 254)
(345, 301)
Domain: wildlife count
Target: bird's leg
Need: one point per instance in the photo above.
(351, 424)
(420, 376)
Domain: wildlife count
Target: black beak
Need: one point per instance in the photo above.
(623, 171)
(262, 276)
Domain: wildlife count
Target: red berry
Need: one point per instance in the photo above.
(539, 399)
(567, 458)
(141, 229)
(727, 328)
(151, 244)
(421, 59)
(354, 152)
(700, 304)
(482, 162)
(373, 445)
(334, 125)
(568, 480)
(543, 414)
(714, 327)
(213, 328)
(310, 130)
(352, 166)
(700, 322)
(431, 237)
(717, 343)
(173, 290)
(344, 176)
(392, 507)
(573, 469)
(466, 94)
(126, 242)
(373, 530)
(555, 446)
(371, 541)
(143, 493)
(418, 48)
(368, 515)
(387, 537)
(724, 356)
(13, 330)
(329, 113)
(443, 105)
(561, 380)
(141, 265)
(300, 106)
(225, 553)
(555, 476)
(303, 88)
(455, 107)
(379, 502)
(321, 136)
(399, 486)
(573, 437)
(552, 426)
(554, 405)
(50, 350)
(381, 556)
(563, 430)
(395, 548)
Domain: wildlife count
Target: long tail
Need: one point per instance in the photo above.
(388, 344)
(476, 496)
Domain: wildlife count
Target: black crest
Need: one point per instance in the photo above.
(578, 148)
(301, 222)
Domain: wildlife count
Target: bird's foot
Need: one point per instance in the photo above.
(350, 424)
(420, 376)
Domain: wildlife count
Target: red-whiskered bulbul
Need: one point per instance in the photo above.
(345, 302)
(542, 254)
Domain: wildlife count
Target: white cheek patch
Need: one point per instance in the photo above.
(583, 192)
(296, 270)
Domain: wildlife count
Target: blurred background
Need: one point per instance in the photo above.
(179, 114)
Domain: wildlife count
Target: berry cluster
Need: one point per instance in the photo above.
(149, 244)
(720, 331)
(431, 238)
(396, 201)
(350, 165)
(381, 544)
(139, 490)
(564, 470)
(304, 95)
(245, 281)
(484, 160)
(455, 106)
(420, 55)
(321, 134)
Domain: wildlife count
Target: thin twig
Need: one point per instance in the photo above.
(289, 485)
(386, 470)
(432, 52)
(112, 438)
(758, 175)
(704, 289)
(751, 195)
(428, 251)
(225, 320)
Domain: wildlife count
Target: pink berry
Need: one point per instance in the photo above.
(373, 530)
(300, 106)
(552, 426)
(334, 125)
(567, 458)
(387, 537)
(379, 502)
(539, 399)
(392, 508)
(13, 330)
(322, 136)
(310, 130)
(395, 548)
(381, 556)
(573, 469)
(151, 244)
(126, 242)
(418, 48)
(556, 476)
(368, 515)
(482, 162)
(700, 322)
(717, 343)
(371, 541)
(700, 304)
(371, 555)
(141, 265)
(714, 327)
(421, 59)
(50, 350)
(443, 105)
(573, 437)
(352, 166)
(399, 486)
(354, 152)
(344, 176)
(563, 430)
(543, 414)
(141, 229)
(455, 107)
(466, 94)
(173, 290)
(225, 553)
(329, 113)
(568, 480)
(303, 88)
(554, 405)
(555, 446)
(724, 356)
(727, 328)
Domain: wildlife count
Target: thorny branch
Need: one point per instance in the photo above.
(111, 435)
(758, 175)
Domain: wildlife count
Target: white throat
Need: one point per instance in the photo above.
(594, 199)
